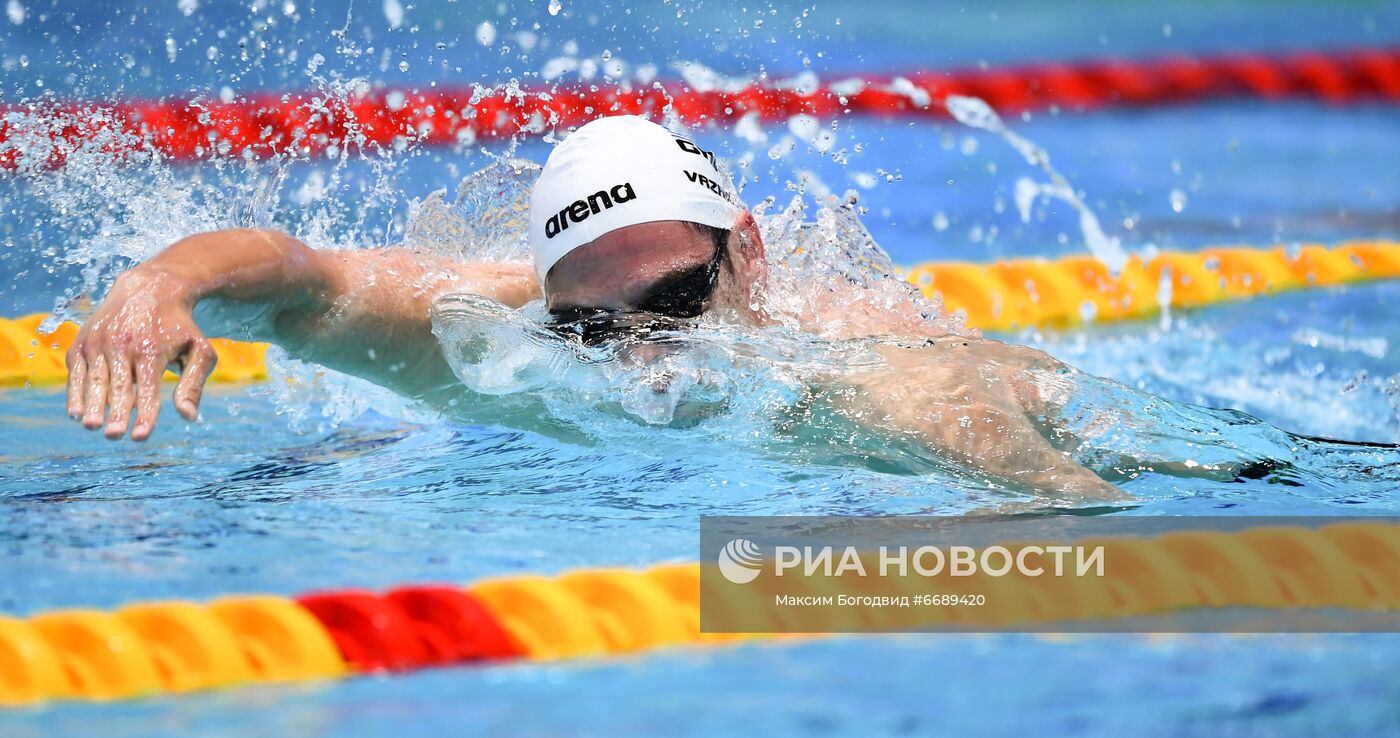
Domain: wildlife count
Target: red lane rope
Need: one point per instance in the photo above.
(410, 628)
(306, 124)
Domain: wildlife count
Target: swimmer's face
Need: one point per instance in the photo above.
(668, 267)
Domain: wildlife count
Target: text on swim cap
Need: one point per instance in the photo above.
(579, 210)
(691, 148)
(707, 183)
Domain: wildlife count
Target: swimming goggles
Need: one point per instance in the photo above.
(666, 307)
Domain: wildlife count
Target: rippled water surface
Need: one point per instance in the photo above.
(325, 485)
(240, 502)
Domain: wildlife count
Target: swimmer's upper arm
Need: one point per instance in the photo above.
(372, 316)
(952, 409)
(399, 280)
(393, 288)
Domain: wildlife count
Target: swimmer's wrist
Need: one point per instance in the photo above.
(164, 284)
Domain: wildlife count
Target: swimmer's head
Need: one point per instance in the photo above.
(630, 217)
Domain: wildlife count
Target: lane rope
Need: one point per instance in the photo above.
(309, 123)
(152, 648)
(1005, 296)
(1078, 289)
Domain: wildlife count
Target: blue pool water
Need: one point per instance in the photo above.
(265, 495)
(849, 686)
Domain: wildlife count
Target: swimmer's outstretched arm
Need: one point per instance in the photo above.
(1002, 442)
(362, 312)
(962, 405)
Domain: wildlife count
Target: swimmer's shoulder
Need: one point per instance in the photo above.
(912, 352)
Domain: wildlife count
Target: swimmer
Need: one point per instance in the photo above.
(626, 219)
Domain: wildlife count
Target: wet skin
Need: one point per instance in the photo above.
(367, 313)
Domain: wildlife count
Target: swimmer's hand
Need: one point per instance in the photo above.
(119, 357)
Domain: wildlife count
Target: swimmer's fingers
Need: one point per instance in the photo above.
(119, 395)
(95, 391)
(77, 381)
(199, 363)
(148, 374)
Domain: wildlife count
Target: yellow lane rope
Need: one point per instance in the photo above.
(1003, 296)
(1067, 291)
(151, 648)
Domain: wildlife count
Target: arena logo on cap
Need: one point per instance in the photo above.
(579, 210)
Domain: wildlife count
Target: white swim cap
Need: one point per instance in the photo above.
(620, 171)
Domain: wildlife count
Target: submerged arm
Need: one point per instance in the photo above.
(963, 405)
(361, 312)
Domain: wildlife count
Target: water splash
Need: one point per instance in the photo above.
(828, 275)
(488, 220)
(828, 279)
(977, 113)
(116, 200)
(714, 376)
(314, 399)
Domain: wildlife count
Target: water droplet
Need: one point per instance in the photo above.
(555, 6)
(1178, 200)
(170, 48)
(486, 33)
(403, 66)
(15, 11)
(393, 12)
(187, 6)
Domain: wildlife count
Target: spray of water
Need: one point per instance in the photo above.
(977, 113)
(830, 286)
(832, 296)
(118, 201)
